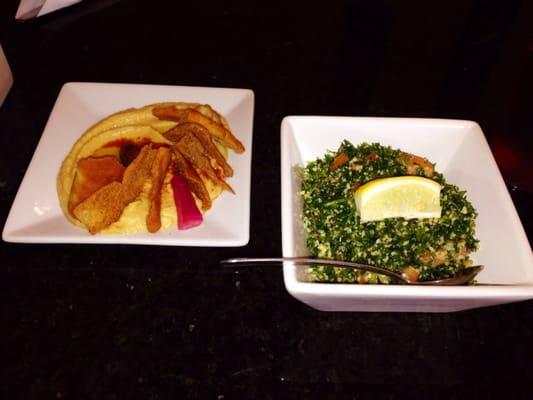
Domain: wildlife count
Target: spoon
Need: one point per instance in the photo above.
(460, 279)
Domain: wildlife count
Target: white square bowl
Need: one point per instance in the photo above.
(36, 216)
(462, 154)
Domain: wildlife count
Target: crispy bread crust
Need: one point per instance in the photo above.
(124, 124)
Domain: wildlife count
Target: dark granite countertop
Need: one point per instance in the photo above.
(114, 322)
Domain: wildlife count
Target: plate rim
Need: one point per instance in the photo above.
(241, 239)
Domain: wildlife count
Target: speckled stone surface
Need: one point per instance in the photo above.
(146, 322)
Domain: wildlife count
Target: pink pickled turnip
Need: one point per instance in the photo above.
(188, 214)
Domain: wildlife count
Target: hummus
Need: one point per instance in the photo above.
(136, 126)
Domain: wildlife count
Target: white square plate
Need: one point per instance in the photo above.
(462, 154)
(36, 217)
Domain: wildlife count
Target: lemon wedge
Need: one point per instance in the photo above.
(402, 196)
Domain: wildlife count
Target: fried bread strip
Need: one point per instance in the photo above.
(176, 133)
(135, 176)
(216, 130)
(202, 134)
(102, 208)
(168, 113)
(191, 115)
(194, 182)
(158, 170)
(106, 205)
(191, 148)
(92, 174)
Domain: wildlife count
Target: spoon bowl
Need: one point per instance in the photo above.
(463, 278)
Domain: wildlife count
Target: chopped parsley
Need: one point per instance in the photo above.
(436, 248)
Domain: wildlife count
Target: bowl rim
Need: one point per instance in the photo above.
(298, 288)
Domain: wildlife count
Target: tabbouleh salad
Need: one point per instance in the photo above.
(431, 248)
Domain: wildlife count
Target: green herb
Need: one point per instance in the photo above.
(436, 248)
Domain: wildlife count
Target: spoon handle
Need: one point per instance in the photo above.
(311, 261)
(460, 279)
